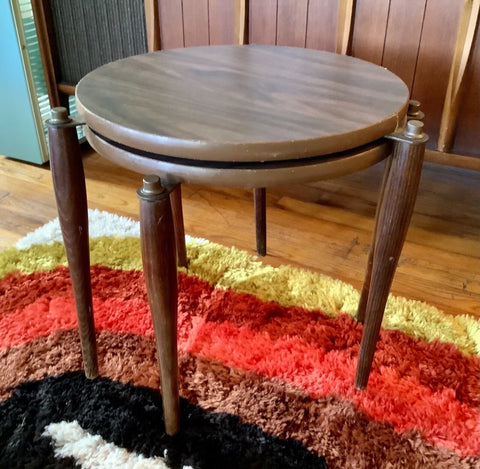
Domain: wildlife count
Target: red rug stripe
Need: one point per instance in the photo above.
(402, 401)
(431, 364)
(317, 354)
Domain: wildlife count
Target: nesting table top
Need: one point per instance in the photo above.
(241, 103)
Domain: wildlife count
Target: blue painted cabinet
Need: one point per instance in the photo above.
(22, 134)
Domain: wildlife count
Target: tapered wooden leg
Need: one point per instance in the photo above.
(160, 271)
(393, 220)
(413, 113)
(260, 203)
(177, 210)
(70, 193)
(362, 304)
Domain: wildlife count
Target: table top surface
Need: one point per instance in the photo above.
(242, 103)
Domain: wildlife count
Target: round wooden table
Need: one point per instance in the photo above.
(249, 116)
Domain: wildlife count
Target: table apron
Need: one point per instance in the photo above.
(258, 175)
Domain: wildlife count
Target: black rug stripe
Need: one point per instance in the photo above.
(131, 417)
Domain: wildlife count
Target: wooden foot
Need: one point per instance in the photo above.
(177, 210)
(260, 203)
(160, 271)
(393, 220)
(362, 304)
(70, 194)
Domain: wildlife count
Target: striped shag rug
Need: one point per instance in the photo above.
(267, 362)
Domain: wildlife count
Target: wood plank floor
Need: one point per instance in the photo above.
(324, 226)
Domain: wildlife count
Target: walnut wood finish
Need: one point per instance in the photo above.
(369, 29)
(177, 211)
(71, 198)
(467, 136)
(195, 23)
(221, 21)
(322, 24)
(414, 112)
(362, 304)
(394, 216)
(439, 32)
(160, 271)
(171, 24)
(260, 203)
(402, 37)
(291, 22)
(241, 103)
(263, 22)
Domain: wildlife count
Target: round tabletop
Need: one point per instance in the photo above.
(241, 103)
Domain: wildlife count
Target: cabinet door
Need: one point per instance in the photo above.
(21, 128)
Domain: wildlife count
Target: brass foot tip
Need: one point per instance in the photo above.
(152, 188)
(59, 115)
(414, 129)
(414, 111)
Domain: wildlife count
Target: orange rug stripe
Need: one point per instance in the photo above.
(242, 331)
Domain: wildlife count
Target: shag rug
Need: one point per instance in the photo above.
(267, 363)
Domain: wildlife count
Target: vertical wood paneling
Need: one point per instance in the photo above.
(456, 82)
(403, 37)
(434, 60)
(369, 29)
(321, 24)
(195, 22)
(467, 137)
(240, 23)
(152, 24)
(292, 22)
(221, 20)
(345, 19)
(414, 39)
(263, 22)
(171, 24)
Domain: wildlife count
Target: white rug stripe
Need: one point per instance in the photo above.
(99, 224)
(92, 451)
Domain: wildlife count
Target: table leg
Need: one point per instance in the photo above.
(362, 304)
(71, 197)
(393, 220)
(177, 210)
(413, 113)
(260, 203)
(160, 271)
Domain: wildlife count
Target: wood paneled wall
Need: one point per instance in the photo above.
(185, 23)
(415, 39)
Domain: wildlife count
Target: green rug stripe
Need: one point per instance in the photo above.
(236, 269)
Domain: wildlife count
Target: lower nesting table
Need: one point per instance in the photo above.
(245, 116)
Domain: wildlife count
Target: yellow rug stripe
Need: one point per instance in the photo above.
(236, 269)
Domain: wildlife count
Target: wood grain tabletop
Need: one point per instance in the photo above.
(242, 103)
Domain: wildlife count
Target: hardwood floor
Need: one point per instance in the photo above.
(324, 226)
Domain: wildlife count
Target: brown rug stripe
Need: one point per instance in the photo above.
(429, 363)
(326, 426)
